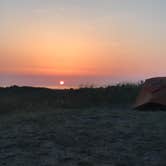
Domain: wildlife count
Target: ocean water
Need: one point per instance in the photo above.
(63, 87)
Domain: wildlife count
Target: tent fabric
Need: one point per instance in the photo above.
(153, 93)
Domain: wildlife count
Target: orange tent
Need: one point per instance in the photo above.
(153, 94)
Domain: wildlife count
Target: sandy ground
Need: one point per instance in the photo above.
(87, 137)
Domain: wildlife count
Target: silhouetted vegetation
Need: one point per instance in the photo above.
(120, 95)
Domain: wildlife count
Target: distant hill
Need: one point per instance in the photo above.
(14, 98)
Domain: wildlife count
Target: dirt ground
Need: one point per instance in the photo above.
(83, 137)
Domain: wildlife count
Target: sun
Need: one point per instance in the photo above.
(61, 82)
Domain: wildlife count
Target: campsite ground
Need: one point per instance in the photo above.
(83, 137)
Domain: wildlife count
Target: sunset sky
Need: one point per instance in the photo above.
(81, 41)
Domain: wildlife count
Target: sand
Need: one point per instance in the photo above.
(82, 137)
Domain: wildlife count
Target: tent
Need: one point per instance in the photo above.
(152, 94)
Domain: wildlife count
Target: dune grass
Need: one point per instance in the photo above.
(121, 95)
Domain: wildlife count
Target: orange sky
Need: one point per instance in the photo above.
(60, 39)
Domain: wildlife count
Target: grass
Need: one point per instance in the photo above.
(121, 95)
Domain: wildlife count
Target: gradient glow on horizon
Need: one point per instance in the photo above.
(81, 41)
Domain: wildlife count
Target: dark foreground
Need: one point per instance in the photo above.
(83, 137)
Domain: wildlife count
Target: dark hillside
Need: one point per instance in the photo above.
(22, 97)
